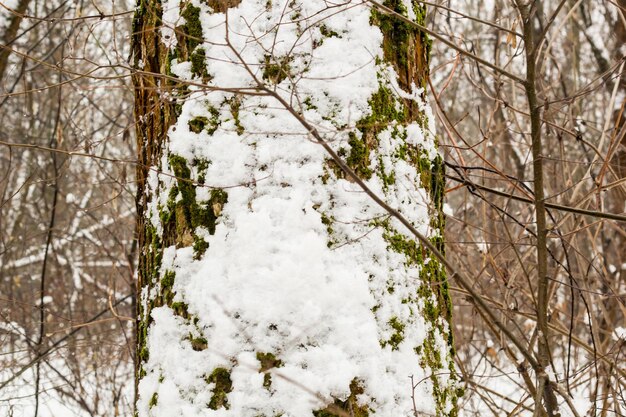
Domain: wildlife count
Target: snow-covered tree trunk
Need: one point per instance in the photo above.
(270, 284)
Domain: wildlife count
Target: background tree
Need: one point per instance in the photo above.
(66, 208)
(487, 127)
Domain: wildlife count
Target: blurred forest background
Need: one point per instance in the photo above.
(67, 201)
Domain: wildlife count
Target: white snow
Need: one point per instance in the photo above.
(46, 300)
(619, 333)
(171, 19)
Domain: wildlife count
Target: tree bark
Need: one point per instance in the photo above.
(269, 283)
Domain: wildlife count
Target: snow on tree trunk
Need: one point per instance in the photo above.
(270, 284)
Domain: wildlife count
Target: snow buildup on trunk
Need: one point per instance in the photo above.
(300, 296)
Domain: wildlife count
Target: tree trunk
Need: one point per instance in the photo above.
(269, 283)
(9, 25)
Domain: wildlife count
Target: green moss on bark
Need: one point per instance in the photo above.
(275, 70)
(235, 105)
(397, 337)
(197, 124)
(359, 159)
(192, 27)
(199, 247)
(350, 406)
(153, 400)
(223, 385)
(386, 110)
(214, 121)
(185, 212)
(201, 165)
(180, 309)
(268, 361)
(198, 343)
(198, 65)
(328, 33)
